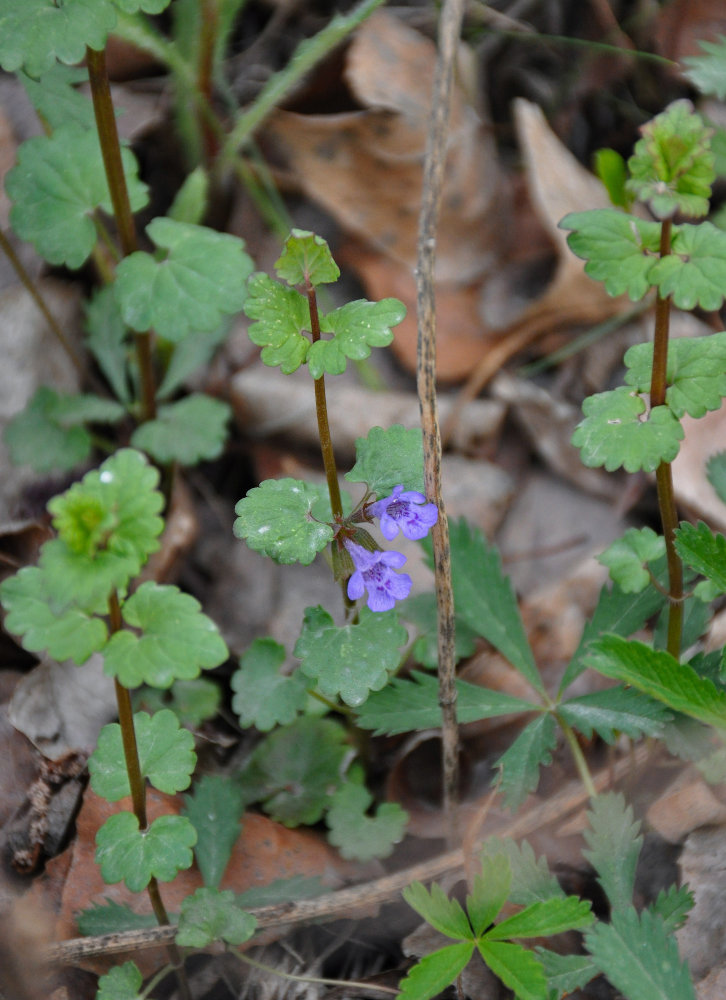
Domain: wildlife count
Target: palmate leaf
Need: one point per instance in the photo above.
(263, 697)
(704, 550)
(35, 33)
(696, 372)
(628, 557)
(356, 327)
(616, 432)
(358, 836)
(435, 972)
(639, 957)
(351, 660)
(707, 72)
(620, 249)
(615, 710)
(387, 458)
(126, 854)
(188, 431)
(211, 915)
(407, 705)
(176, 640)
(306, 258)
(58, 183)
(281, 315)
(123, 982)
(614, 843)
(659, 675)
(215, 809)
(199, 280)
(519, 765)
(166, 756)
(276, 518)
(517, 968)
(691, 273)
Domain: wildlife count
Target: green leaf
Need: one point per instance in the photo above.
(610, 167)
(123, 982)
(672, 165)
(387, 458)
(56, 99)
(516, 967)
(276, 518)
(148, 6)
(696, 372)
(194, 701)
(690, 274)
(627, 557)
(519, 765)
(707, 72)
(108, 524)
(176, 640)
(620, 249)
(673, 905)
(215, 809)
(531, 880)
(544, 918)
(445, 915)
(305, 259)
(356, 327)
(353, 660)
(210, 915)
(57, 184)
(166, 756)
(282, 314)
(111, 918)
(489, 891)
(704, 550)
(36, 33)
(188, 355)
(659, 675)
(614, 843)
(616, 432)
(565, 973)
(200, 280)
(613, 711)
(192, 430)
(190, 201)
(435, 972)
(107, 341)
(406, 705)
(46, 621)
(282, 890)
(358, 836)
(295, 770)
(264, 697)
(716, 474)
(126, 854)
(485, 600)
(639, 957)
(421, 611)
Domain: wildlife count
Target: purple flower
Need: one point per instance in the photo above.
(407, 511)
(374, 572)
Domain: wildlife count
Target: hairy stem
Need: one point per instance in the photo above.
(111, 151)
(663, 475)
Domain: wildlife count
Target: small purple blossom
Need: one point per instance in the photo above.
(374, 572)
(407, 511)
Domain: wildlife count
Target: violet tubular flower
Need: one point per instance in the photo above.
(405, 510)
(375, 573)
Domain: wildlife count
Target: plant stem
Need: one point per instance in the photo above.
(664, 475)
(578, 756)
(111, 151)
(321, 409)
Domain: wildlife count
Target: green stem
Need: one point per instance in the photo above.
(111, 151)
(664, 475)
(578, 756)
(321, 409)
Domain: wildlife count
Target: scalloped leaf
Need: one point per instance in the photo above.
(628, 557)
(47, 621)
(126, 854)
(263, 697)
(387, 458)
(295, 770)
(276, 518)
(620, 249)
(613, 711)
(176, 639)
(704, 550)
(356, 327)
(281, 314)
(695, 372)
(358, 836)
(614, 842)
(692, 274)
(672, 164)
(306, 258)
(108, 524)
(58, 183)
(616, 433)
(351, 660)
(519, 765)
(215, 809)
(56, 99)
(707, 72)
(212, 915)
(123, 982)
(188, 431)
(166, 756)
(190, 288)
(35, 33)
